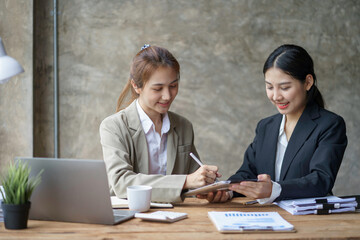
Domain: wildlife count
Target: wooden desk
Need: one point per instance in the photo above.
(196, 226)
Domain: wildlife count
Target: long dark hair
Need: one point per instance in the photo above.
(295, 61)
(143, 65)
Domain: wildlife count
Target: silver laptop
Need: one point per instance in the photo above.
(73, 190)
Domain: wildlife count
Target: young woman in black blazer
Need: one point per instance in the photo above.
(296, 153)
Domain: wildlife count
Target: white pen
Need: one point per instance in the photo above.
(199, 162)
(196, 159)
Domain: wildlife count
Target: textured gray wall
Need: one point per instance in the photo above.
(43, 79)
(221, 47)
(16, 108)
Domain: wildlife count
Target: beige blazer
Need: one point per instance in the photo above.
(126, 155)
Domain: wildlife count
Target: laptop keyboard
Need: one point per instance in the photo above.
(122, 215)
(119, 213)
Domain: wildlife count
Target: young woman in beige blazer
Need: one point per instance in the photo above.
(145, 144)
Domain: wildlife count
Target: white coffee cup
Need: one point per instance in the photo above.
(139, 197)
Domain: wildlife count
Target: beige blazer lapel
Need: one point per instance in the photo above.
(139, 139)
(172, 143)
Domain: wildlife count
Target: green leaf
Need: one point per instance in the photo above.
(17, 185)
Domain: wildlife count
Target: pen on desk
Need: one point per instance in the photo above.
(199, 162)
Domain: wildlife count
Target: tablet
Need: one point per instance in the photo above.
(221, 185)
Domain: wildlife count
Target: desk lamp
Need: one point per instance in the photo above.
(9, 67)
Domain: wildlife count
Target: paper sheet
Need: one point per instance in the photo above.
(123, 203)
(249, 221)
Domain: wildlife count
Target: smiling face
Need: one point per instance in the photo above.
(156, 96)
(286, 93)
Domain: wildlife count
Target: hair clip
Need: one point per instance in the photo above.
(145, 46)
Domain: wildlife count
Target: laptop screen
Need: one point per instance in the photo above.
(71, 190)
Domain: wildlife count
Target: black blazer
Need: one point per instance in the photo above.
(312, 157)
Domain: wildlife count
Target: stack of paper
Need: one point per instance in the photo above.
(324, 205)
(249, 221)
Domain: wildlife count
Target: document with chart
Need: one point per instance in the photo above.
(227, 222)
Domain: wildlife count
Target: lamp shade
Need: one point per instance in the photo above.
(9, 67)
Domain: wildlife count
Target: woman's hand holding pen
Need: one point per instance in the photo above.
(260, 189)
(205, 175)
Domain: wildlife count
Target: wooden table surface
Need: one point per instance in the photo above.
(196, 226)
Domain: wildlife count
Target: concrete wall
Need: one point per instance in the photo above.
(16, 107)
(43, 79)
(221, 47)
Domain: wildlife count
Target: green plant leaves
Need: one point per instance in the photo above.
(17, 185)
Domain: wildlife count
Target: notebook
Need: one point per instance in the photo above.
(162, 216)
(73, 190)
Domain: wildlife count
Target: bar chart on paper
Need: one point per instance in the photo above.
(249, 221)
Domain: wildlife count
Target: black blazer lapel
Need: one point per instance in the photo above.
(269, 152)
(303, 129)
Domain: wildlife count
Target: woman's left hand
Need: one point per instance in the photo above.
(256, 190)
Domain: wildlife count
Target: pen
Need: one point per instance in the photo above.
(199, 162)
(196, 159)
(251, 202)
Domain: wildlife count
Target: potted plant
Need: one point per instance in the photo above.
(16, 193)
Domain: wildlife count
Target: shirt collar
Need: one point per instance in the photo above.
(282, 125)
(282, 136)
(165, 124)
(147, 123)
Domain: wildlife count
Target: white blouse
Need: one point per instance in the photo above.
(157, 143)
